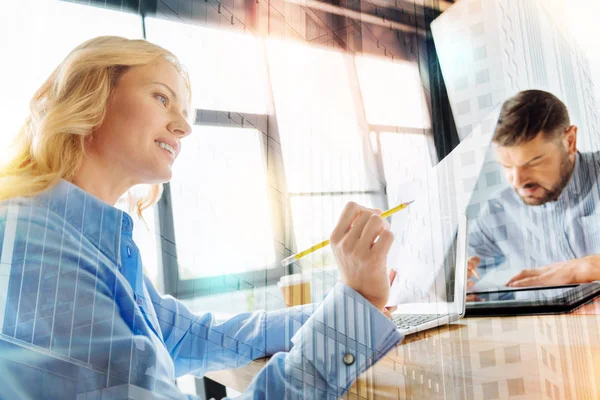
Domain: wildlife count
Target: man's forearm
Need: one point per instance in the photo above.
(590, 269)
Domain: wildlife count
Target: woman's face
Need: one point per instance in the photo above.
(146, 119)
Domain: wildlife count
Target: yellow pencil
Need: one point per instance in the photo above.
(297, 256)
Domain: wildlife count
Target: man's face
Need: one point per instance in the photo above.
(540, 169)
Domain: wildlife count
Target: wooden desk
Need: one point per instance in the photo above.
(529, 357)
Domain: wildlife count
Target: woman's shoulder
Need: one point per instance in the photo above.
(29, 206)
(32, 230)
(29, 212)
(17, 206)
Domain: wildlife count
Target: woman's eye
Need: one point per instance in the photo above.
(163, 99)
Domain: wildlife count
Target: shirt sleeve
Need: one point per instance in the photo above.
(199, 343)
(483, 246)
(341, 340)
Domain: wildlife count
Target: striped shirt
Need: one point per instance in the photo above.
(510, 234)
(78, 317)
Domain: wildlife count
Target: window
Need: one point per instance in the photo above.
(487, 358)
(323, 138)
(544, 356)
(321, 134)
(219, 179)
(217, 216)
(516, 387)
(392, 93)
(480, 53)
(548, 388)
(512, 354)
(485, 101)
(318, 152)
(463, 107)
(48, 31)
(490, 390)
(477, 30)
(227, 69)
(482, 77)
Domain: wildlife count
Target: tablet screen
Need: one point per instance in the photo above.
(539, 300)
(522, 295)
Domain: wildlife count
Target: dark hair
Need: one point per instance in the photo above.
(529, 113)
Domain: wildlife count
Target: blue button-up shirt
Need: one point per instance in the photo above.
(77, 315)
(516, 236)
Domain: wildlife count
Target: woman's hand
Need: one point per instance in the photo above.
(361, 241)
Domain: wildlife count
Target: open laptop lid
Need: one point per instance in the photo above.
(429, 252)
(446, 294)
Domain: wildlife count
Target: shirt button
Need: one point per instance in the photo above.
(348, 359)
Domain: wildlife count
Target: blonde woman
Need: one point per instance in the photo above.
(80, 316)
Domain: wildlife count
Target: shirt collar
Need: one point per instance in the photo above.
(575, 181)
(574, 184)
(99, 222)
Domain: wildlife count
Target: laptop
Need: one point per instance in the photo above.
(449, 306)
(430, 250)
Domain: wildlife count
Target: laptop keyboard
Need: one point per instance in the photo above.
(409, 320)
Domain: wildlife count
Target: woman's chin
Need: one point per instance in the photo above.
(159, 178)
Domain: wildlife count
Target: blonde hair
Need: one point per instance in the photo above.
(67, 109)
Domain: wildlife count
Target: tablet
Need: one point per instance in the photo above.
(527, 301)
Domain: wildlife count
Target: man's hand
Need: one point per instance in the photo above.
(472, 265)
(361, 241)
(579, 270)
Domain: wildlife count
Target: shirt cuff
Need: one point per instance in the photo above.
(278, 327)
(342, 339)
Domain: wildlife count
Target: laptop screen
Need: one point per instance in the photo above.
(424, 252)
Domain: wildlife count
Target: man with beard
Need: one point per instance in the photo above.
(546, 224)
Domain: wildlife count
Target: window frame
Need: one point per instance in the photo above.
(204, 286)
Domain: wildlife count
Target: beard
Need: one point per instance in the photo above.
(552, 194)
